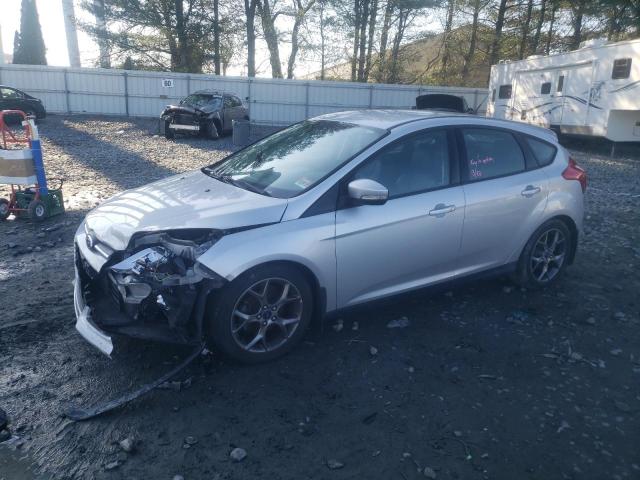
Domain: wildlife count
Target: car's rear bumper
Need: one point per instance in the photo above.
(85, 326)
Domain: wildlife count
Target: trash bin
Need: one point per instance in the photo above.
(241, 132)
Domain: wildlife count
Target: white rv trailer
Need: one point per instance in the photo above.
(594, 90)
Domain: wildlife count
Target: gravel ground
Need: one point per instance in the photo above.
(485, 381)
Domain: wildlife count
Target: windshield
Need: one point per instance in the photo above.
(286, 163)
(200, 100)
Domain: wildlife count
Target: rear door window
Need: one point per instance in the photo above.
(545, 89)
(491, 153)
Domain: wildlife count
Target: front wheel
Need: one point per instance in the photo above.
(262, 314)
(168, 132)
(545, 256)
(211, 131)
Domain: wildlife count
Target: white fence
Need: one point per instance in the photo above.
(271, 101)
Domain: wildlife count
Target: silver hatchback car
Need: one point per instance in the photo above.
(327, 214)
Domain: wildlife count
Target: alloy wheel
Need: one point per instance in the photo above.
(548, 255)
(266, 315)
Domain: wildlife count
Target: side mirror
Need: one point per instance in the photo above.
(367, 192)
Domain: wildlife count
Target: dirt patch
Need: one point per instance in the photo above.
(486, 381)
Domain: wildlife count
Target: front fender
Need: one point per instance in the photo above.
(309, 242)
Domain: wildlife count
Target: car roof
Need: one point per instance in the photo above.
(213, 92)
(388, 119)
(385, 119)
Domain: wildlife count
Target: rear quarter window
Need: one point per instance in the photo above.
(491, 153)
(543, 152)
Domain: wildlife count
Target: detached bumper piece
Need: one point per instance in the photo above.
(78, 414)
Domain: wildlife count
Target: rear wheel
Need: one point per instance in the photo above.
(262, 314)
(545, 256)
(4, 209)
(37, 210)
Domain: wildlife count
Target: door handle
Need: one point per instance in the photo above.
(440, 210)
(530, 191)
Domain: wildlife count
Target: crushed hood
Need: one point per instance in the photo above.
(190, 200)
(188, 109)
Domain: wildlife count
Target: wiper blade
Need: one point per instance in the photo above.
(235, 182)
(244, 184)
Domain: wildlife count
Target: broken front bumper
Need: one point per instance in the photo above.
(85, 326)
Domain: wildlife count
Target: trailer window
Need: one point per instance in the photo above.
(504, 92)
(545, 89)
(621, 68)
(560, 83)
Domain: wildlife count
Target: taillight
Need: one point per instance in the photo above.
(575, 172)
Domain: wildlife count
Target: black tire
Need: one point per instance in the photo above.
(37, 211)
(212, 131)
(531, 263)
(168, 133)
(220, 318)
(4, 209)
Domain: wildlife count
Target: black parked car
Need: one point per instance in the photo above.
(14, 99)
(443, 102)
(206, 112)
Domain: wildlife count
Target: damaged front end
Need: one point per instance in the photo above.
(156, 289)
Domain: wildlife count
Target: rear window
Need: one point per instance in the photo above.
(543, 152)
(504, 92)
(491, 153)
(545, 89)
(621, 68)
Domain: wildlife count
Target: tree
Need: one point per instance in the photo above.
(446, 51)
(216, 36)
(101, 34)
(541, 15)
(29, 48)
(299, 13)
(524, 38)
(271, 36)
(250, 16)
(497, 34)
(177, 35)
(578, 9)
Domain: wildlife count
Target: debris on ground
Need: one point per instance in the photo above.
(238, 454)
(334, 464)
(128, 444)
(402, 322)
(429, 472)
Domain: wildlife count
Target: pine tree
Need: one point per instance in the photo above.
(29, 49)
